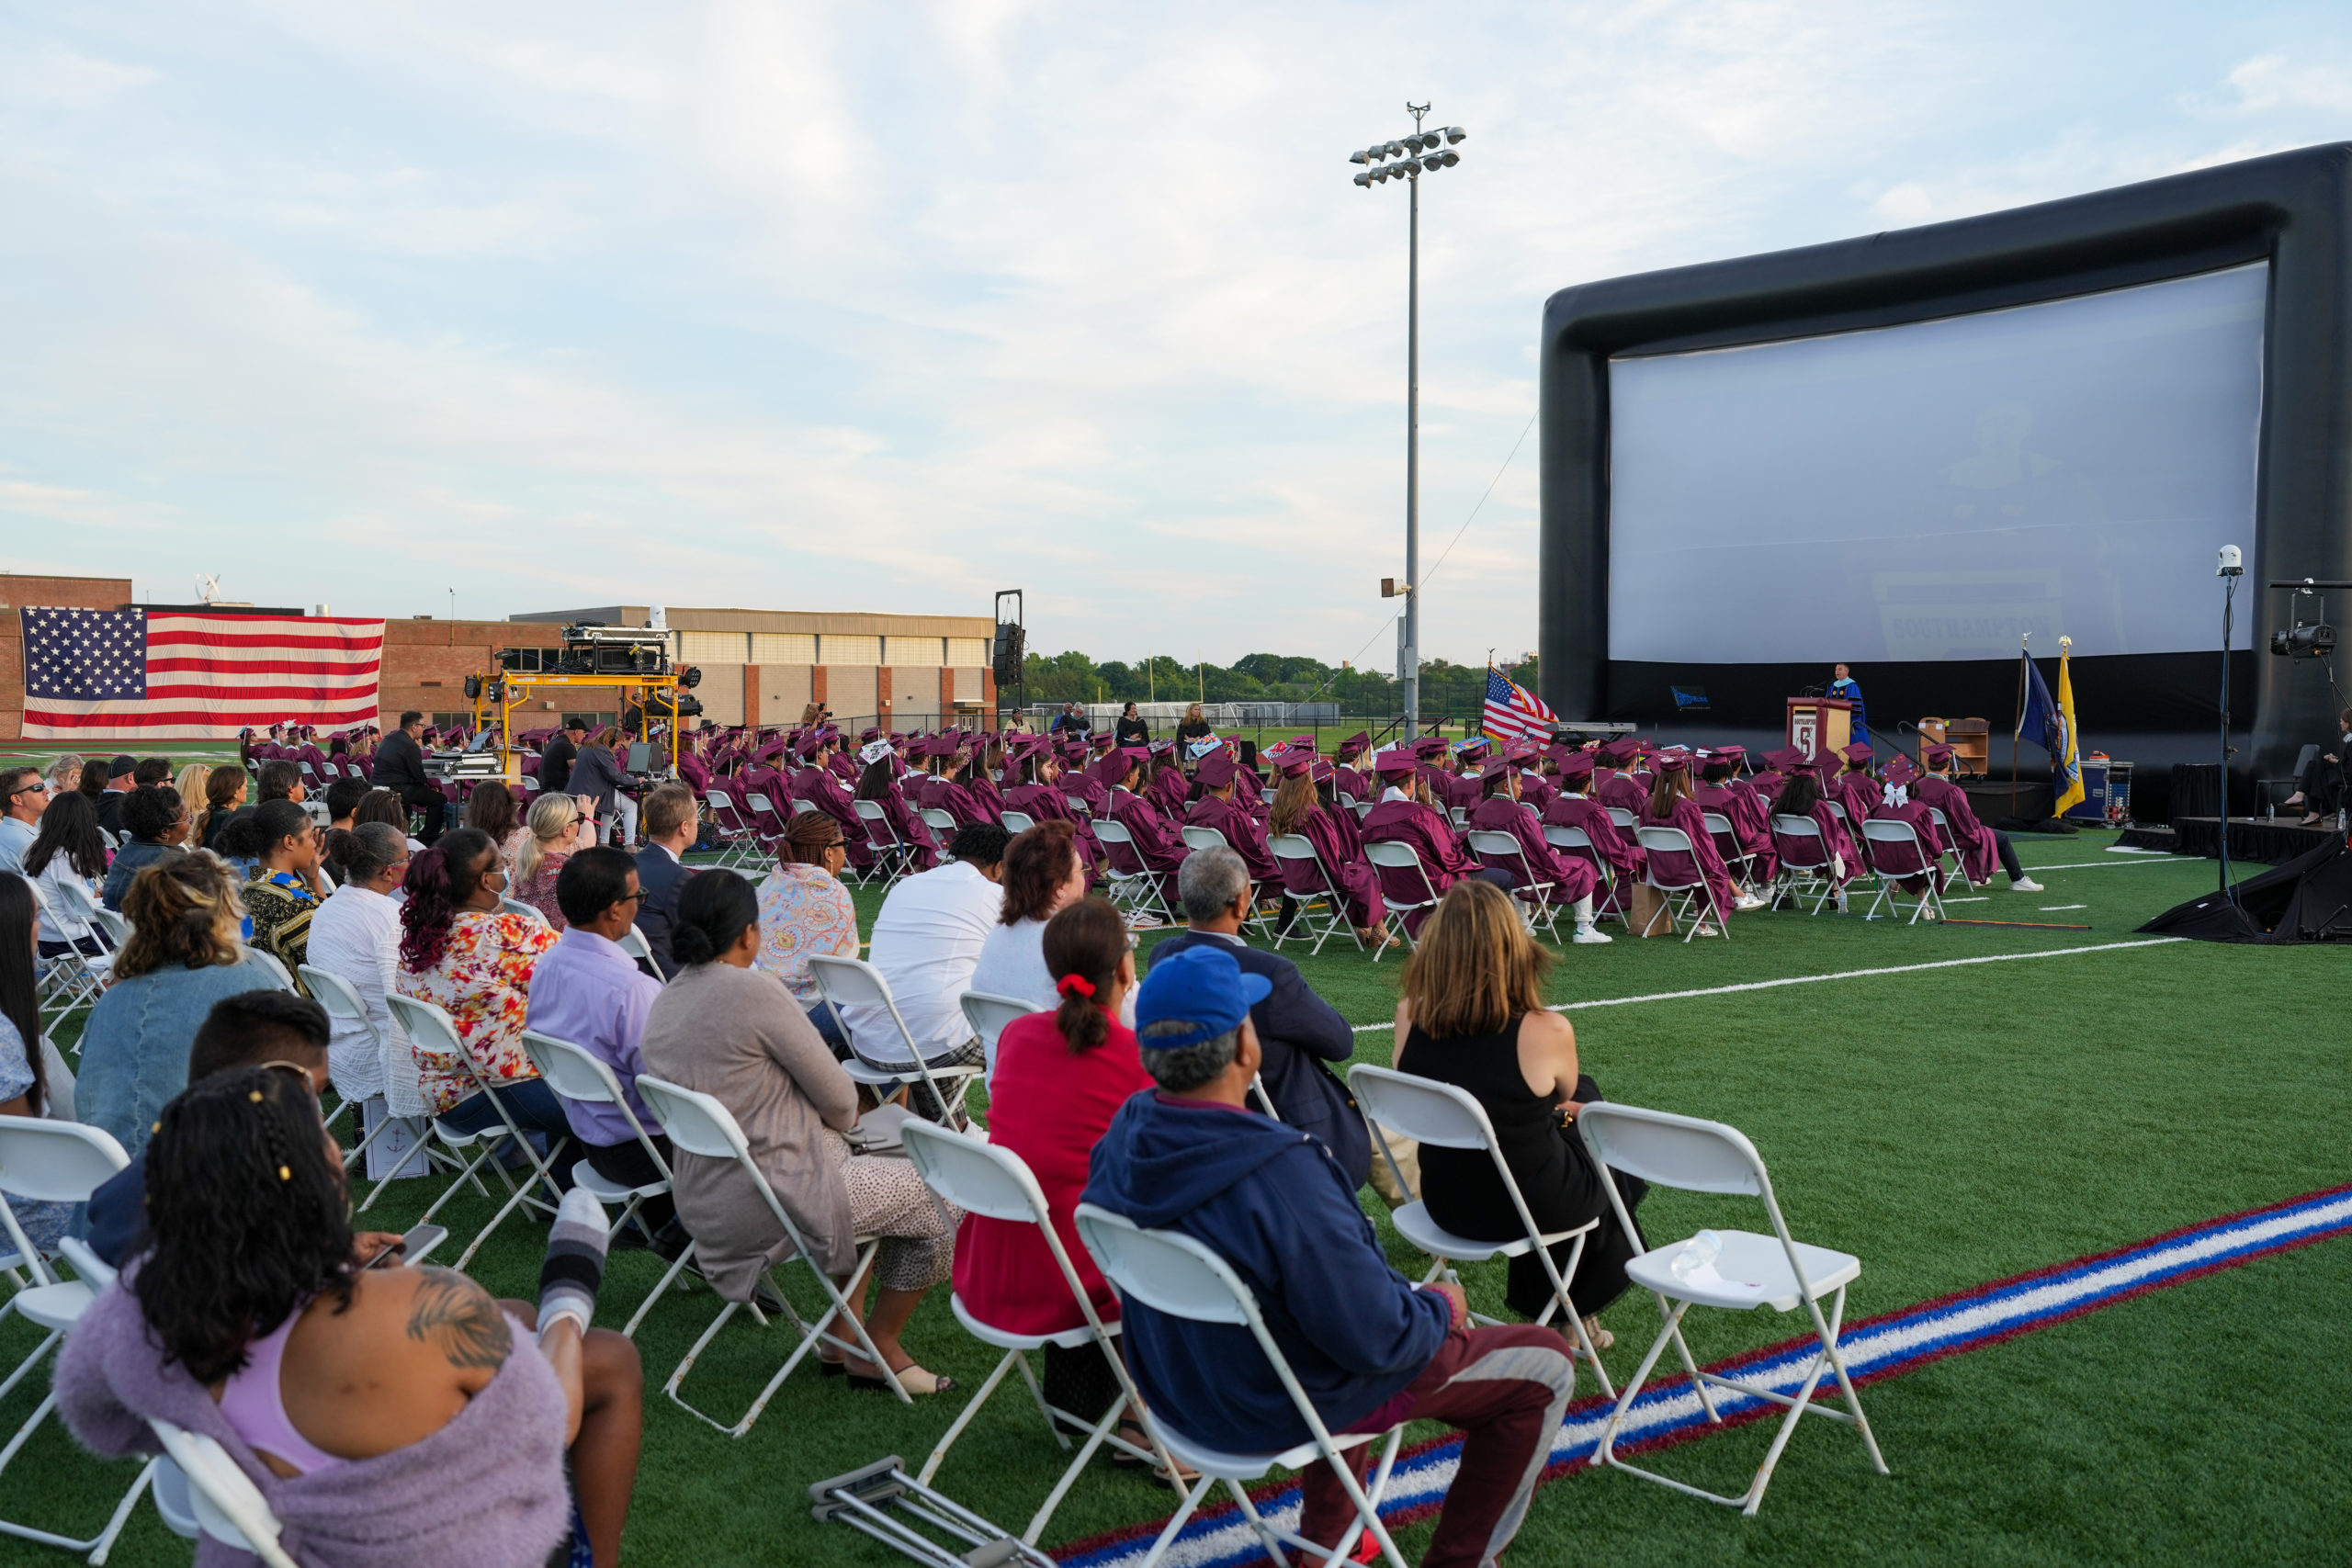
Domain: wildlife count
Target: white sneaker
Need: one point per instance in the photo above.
(2025, 885)
(1588, 937)
(1707, 931)
(1745, 902)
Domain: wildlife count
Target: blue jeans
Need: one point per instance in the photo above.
(534, 1107)
(828, 1029)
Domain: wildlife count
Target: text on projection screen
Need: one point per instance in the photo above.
(1940, 488)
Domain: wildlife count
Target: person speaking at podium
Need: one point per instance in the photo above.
(1844, 688)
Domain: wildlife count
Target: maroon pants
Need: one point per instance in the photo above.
(1505, 1388)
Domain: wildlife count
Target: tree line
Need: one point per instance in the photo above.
(1074, 677)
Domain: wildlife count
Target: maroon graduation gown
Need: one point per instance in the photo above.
(1897, 860)
(1443, 859)
(1159, 845)
(1978, 851)
(1332, 831)
(909, 828)
(821, 789)
(1673, 866)
(1168, 791)
(1616, 845)
(1572, 876)
(1243, 834)
(1750, 829)
(1621, 791)
(1049, 803)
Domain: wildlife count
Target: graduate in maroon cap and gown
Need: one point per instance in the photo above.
(1750, 829)
(1855, 789)
(955, 793)
(1573, 808)
(820, 786)
(1670, 805)
(1402, 818)
(1896, 805)
(879, 784)
(1572, 877)
(1345, 776)
(1156, 842)
(1040, 795)
(1804, 796)
(1220, 807)
(1980, 847)
(1610, 787)
(1308, 806)
(1170, 791)
(1536, 790)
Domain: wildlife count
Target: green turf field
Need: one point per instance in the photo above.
(1950, 1125)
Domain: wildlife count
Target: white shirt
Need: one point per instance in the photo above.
(1013, 964)
(927, 943)
(57, 922)
(356, 937)
(17, 836)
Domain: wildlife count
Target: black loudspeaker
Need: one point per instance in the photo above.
(1010, 651)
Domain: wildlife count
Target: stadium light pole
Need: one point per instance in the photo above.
(1423, 151)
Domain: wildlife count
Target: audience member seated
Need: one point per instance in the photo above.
(557, 828)
(733, 1032)
(673, 822)
(473, 960)
(67, 853)
(399, 767)
(120, 783)
(383, 806)
(27, 798)
(561, 750)
(1298, 1032)
(155, 820)
(490, 808)
(224, 796)
(1368, 1348)
(587, 991)
(926, 941)
(194, 783)
(1058, 1078)
(804, 913)
(288, 884)
(184, 954)
(243, 1316)
(279, 779)
(598, 778)
(1471, 1015)
(343, 799)
(356, 937)
(1042, 875)
(22, 1067)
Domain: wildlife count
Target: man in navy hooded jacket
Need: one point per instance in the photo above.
(1369, 1348)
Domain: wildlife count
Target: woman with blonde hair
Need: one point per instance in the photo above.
(185, 953)
(1471, 1015)
(556, 827)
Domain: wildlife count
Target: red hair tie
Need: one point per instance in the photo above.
(1075, 983)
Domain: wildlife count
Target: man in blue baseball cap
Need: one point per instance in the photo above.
(1369, 1348)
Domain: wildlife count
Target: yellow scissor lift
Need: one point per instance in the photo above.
(515, 688)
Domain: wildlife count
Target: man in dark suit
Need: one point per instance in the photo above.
(561, 750)
(399, 767)
(1298, 1031)
(670, 826)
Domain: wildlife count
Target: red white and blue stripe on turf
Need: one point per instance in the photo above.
(1668, 1412)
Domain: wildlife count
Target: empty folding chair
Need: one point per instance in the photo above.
(575, 1073)
(1806, 864)
(1751, 1270)
(1895, 852)
(996, 1183)
(1447, 1117)
(1404, 886)
(1018, 822)
(1536, 905)
(852, 982)
(60, 1162)
(700, 1124)
(428, 1026)
(988, 1013)
(1172, 1273)
(208, 1492)
(1321, 892)
(1682, 890)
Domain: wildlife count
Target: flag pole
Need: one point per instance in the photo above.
(2025, 639)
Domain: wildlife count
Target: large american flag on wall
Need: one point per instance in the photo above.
(130, 675)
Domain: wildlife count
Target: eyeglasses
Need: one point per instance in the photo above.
(637, 897)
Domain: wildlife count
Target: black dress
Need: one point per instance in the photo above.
(1133, 732)
(1554, 1175)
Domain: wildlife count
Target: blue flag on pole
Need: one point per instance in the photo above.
(2050, 724)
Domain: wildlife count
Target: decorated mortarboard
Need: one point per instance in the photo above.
(1317, 768)
(1673, 762)
(1901, 771)
(1162, 747)
(1216, 769)
(1397, 765)
(1200, 748)
(1353, 744)
(1470, 749)
(872, 752)
(1522, 753)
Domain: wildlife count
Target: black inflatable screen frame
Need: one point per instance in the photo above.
(2292, 209)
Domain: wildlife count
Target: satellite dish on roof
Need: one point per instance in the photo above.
(208, 588)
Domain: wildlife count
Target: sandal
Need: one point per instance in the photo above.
(1601, 1338)
(912, 1378)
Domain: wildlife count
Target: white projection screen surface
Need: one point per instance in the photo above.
(1933, 491)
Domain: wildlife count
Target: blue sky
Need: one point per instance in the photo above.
(888, 306)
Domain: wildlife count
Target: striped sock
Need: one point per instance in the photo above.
(575, 1265)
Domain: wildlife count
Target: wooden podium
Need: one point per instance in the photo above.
(1820, 724)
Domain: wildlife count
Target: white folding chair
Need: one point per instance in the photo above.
(800, 806)
(1806, 865)
(736, 843)
(1951, 847)
(1738, 861)
(1681, 899)
(1449, 1118)
(763, 812)
(200, 1489)
(891, 853)
(1752, 1270)
(1400, 857)
(989, 1012)
(981, 1178)
(60, 1162)
(1018, 821)
(576, 1074)
(1606, 905)
(270, 962)
(1898, 843)
(941, 825)
(1536, 906)
(1298, 847)
(1135, 886)
(343, 1005)
(1619, 815)
(404, 1099)
(428, 1026)
(70, 980)
(852, 982)
(1197, 838)
(632, 941)
(527, 911)
(1171, 1272)
(700, 1124)
(1838, 809)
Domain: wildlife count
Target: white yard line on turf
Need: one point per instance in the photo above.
(2080, 865)
(1840, 974)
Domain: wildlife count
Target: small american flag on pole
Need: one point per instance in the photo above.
(115, 675)
(1513, 712)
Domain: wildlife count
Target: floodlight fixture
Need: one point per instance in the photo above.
(1359, 157)
(1363, 178)
(1454, 133)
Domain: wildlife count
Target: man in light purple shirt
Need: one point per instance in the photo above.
(586, 991)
